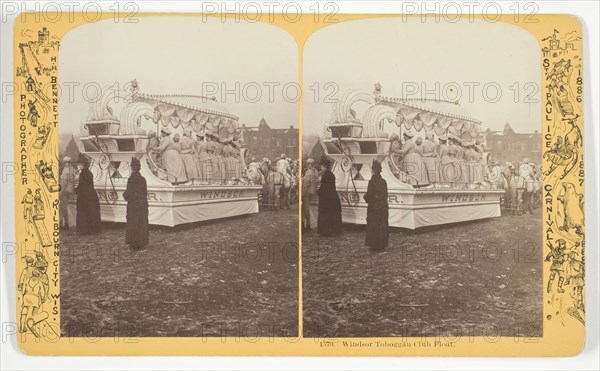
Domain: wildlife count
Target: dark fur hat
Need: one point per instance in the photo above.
(376, 166)
(135, 163)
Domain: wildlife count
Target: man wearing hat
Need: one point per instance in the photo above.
(526, 171)
(136, 195)
(283, 167)
(507, 174)
(282, 164)
(26, 275)
(88, 204)
(295, 177)
(265, 170)
(309, 191)
(27, 203)
(274, 186)
(557, 255)
(253, 172)
(67, 187)
(330, 207)
(493, 174)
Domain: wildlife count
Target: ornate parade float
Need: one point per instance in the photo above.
(359, 131)
(118, 127)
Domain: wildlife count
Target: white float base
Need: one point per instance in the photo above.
(171, 206)
(412, 209)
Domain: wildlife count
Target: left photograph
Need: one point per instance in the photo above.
(178, 162)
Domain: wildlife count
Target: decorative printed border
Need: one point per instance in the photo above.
(36, 127)
(36, 95)
(564, 174)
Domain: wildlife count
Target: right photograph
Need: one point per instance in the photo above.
(422, 180)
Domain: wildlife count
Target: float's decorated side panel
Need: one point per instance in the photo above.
(433, 157)
(189, 147)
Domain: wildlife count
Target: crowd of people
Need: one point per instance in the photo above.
(320, 183)
(454, 163)
(207, 158)
(448, 161)
(522, 182)
(79, 180)
(279, 180)
(212, 160)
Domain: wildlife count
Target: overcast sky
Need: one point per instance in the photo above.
(396, 51)
(187, 55)
(183, 55)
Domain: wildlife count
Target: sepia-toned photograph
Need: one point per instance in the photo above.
(421, 183)
(178, 173)
(297, 180)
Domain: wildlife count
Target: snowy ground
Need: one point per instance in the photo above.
(479, 278)
(219, 278)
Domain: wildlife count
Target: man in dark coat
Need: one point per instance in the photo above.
(309, 190)
(88, 204)
(136, 195)
(377, 210)
(330, 207)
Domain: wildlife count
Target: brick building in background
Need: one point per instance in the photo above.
(264, 141)
(509, 146)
